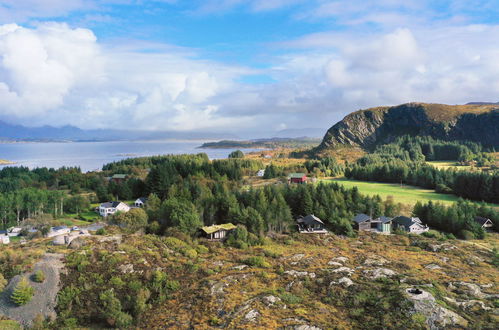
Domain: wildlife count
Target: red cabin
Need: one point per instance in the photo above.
(297, 178)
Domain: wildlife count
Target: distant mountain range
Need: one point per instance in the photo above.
(10, 132)
(477, 121)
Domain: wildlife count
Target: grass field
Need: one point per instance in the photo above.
(445, 164)
(401, 194)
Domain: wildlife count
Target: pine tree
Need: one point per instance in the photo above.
(22, 293)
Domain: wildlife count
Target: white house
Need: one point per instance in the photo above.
(140, 202)
(14, 231)
(59, 230)
(260, 173)
(110, 208)
(411, 225)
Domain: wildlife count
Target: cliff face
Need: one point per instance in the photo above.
(368, 128)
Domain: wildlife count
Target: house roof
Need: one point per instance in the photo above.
(406, 221)
(359, 218)
(119, 176)
(110, 204)
(309, 219)
(384, 219)
(297, 175)
(142, 199)
(3, 232)
(214, 228)
(482, 221)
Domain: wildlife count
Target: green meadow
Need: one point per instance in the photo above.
(401, 194)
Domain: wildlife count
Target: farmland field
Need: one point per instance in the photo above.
(401, 194)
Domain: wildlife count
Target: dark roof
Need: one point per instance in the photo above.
(110, 204)
(482, 220)
(309, 219)
(406, 221)
(3, 232)
(384, 219)
(359, 218)
(402, 220)
(142, 199)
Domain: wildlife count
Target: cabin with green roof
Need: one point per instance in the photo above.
(217, 232)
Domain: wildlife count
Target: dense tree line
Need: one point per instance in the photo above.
(426, 148)
(480, 186)
(457, 219)
(404, 161)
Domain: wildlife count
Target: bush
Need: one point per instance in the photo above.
(466, 234)
(39, 276)
(3, 282)
(257, 262)
(290, 298)
(101, 231)
(22, 293)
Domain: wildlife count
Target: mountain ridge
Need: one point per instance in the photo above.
(370, 127)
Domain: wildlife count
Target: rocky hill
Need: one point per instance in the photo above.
(368, 128)
(290, 282)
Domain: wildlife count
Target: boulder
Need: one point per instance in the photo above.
(344, 281)
(379, 273)
(271, 300)
(344, 270)
(433, 266)
(296, 273)
(437, 317)
(334, 263)
(375, 261)
(252, 315)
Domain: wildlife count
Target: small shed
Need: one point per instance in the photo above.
(4, 238)
(297, 178)
(260, 173)
(140, 202)
(217, 232)
(311, 224)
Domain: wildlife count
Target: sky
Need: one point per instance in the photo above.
(239, 66)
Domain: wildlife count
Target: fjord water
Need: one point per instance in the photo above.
(90, 156)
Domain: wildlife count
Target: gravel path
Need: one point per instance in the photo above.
(43, 301)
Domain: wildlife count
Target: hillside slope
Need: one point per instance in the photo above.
(368, 128)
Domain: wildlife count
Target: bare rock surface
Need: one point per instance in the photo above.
(44, 299)
(437, 316)
(379, 273)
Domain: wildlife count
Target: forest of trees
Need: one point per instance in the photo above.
(188, 191)
(457, 219)
(404, 162)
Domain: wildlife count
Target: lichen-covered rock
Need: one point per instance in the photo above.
(345, 281)
(379, 273)
(296, 273)
(437, 316)
(344, 270)
(252, 315)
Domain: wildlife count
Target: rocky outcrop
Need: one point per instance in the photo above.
(437, 317)
(368, 128)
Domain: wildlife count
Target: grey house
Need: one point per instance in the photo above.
(311, 225)
(364, 222)
(410, 225)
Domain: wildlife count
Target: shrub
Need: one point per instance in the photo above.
(39, 276)
(256, 262)
(290, 298)
(22, 293)
(3, 282)
(101, 231)
(466, 234)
